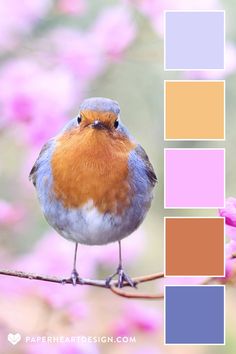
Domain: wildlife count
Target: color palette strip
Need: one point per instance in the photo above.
(195, 314)
(194, 40)
(194, 110)
(194, 177)
(194, 246)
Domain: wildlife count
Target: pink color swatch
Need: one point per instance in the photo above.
(194, 178)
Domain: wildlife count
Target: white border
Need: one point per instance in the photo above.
(193, 276)
(187, 206)
(164, 317)
(184, 139)
(182, 69)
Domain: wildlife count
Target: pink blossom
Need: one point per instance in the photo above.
(229, 213)
(137, 317)
(39, 99)
(11, 287)
(230, 268)
(230, 232)
(120, 327)
(77, 51)
(86, 54)
(114, 30)
(230, 249)
(143, 317)
(132, 248)
(230, 262)
(10, 214)
(18, 18)
(57, 254)
(78, 310)
(72, 7)
(53, 255)
(62, 348)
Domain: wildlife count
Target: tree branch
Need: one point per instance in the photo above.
(129, 295)
(92, 282)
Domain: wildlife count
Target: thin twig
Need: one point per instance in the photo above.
(92, 282)
(52, 279)
(126, 294)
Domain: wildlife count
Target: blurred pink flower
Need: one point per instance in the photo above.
(11, 287)
(230, 262)
(230, 249)
(113, 31)
(132, 247)
(18, 18)
(230, 232)
(155, 9)
(137, 317)
(72, 7)
(229, 213)
(53, 255)
(230, 267)
(10, 214)
(120, 327)
(77, 310)
(78, 52)
(38, 98)
(86, 54)
(143, 317)
(62, 348)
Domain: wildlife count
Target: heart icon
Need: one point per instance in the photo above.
(14, 338)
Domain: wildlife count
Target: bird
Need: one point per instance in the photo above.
(94, 182)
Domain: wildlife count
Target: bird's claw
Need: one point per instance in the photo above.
(74, 277)
(122, 277)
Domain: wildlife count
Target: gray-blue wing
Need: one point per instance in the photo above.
(149, 170)
(41, 157)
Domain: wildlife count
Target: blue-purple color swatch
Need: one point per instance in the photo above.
(194, 314)
(194, 40)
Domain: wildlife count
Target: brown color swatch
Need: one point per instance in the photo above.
(194, 246)
(194, 110)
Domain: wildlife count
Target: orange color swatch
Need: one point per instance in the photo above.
(194, 246)
(194, 110)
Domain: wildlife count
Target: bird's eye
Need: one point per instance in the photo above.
(79, 119)
(116, 123)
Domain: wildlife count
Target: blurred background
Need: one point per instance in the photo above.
(54, 53)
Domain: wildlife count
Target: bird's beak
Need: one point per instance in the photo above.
(97, 124)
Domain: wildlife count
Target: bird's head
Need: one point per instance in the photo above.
(96, 128)
(99, 114)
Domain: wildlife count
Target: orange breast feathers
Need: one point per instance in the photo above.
(92, 165)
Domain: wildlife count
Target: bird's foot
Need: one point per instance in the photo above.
(75, 277)
(122, 277)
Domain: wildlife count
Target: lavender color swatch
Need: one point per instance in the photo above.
(194, 178)
(194, 40)
(194, 314)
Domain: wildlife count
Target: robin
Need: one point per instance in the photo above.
(94, 181)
